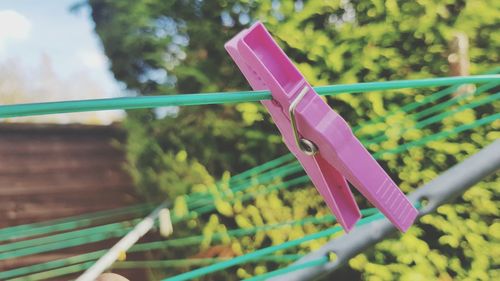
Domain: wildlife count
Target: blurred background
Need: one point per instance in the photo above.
(63, 165)
(49, 53)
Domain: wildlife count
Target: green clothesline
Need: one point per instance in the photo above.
(266, 177)
(411, 106)
(450, 112)
(316, 262)
(261, 168)
(396, 150)
(270, 165)
(118, 232)
(33, 229)
(135, 264)
(443, 105)
(94, 234)
(404, 109)
(55, 272)
(434, 137)
(107, 228)
(222, 265)
(179, 242)
(269, 250)
(266, 251)
(295, 166)
(292, 168)
(278, 172)
(18, 110)
(407, 108)
(47, 227)
(65, 244)
(197, 261)
(436, 118)
(303, 177)
(431, 98)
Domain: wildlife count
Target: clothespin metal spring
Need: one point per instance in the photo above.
(305, 145)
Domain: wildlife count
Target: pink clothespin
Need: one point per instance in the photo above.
(320, 139)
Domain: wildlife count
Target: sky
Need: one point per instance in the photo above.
(31, 30)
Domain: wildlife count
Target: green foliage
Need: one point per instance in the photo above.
(154, 170)
(457, 243)
(177, 47)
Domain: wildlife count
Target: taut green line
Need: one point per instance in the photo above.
(31, 109)
(26, 230)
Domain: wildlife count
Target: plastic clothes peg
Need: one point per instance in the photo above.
(320, 139)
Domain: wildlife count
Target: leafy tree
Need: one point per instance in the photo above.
(162, 47)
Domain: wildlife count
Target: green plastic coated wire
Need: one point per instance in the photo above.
(444, 134)
(403, 147)
(444, 105)
(65, 244)
(191, 262)
(291, 168)
(284, 158)
(261, 168)
(316, 262)
(60, 263)
(431, 98)
(411, 106)
(437, 136)
(431, 109)
(441, 116)
(135, 264)
(55, 272)
(295, 166)
(179, 242)
(266, 177)
(438, 117)
(27, 230)
(67, 235)
(245, 175)
(79, 237)
(18, 110)
(265, 251)
(247, 196)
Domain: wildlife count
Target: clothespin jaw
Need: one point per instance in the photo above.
(320, 139)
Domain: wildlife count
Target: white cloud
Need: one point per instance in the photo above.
(13, 27)
(93, 59)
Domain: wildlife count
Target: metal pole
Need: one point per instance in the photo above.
(122, 246)
(441, 190)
